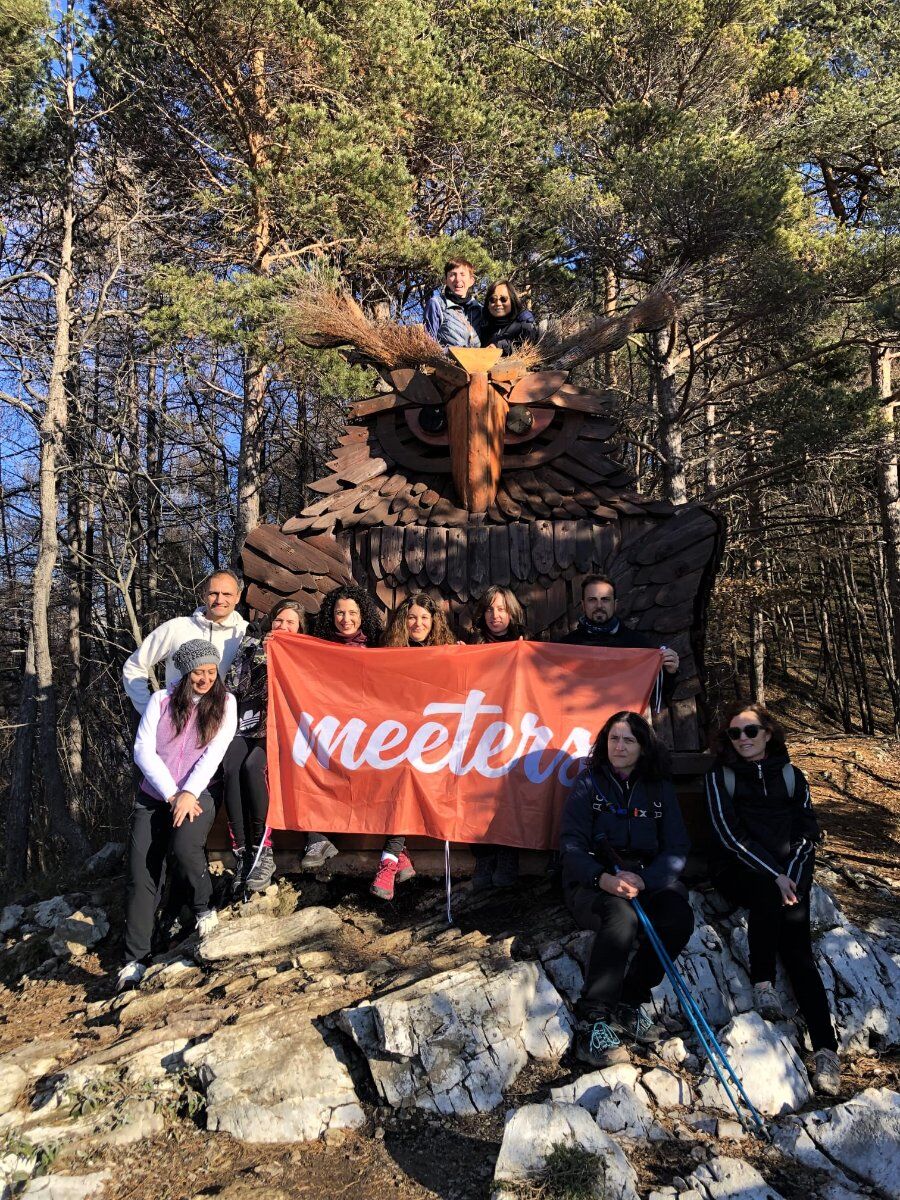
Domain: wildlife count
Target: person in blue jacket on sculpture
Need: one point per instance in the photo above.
(623, 838)
(453, 315)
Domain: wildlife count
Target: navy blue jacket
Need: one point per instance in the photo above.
(640, 819)
(762, 826)
(509, 334)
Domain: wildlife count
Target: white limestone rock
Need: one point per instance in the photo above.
(863, 981)
(626, 1112)
(106, 861)
(730, 1178)
(273, 1077)
(766, 1063)
(452, 1042)
(667, 1089)
(21, 1068)
(588, 1090)
(68, 1187)
(50, 912)
(10, 919)
(79, 932)
(862, 1136)
(263, 933)
(532, 1132)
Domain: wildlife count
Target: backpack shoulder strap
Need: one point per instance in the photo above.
(729, 779)
(790, 779)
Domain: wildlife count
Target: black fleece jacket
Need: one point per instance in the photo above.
(639, 819)
(762, 826)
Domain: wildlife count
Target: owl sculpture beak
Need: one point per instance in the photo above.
(476, 421)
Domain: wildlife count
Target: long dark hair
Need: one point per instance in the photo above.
(654, 762)
(439, 635)
(371, 617)
(516, 303)
(516, 627)
(725, 746)
(210, 708)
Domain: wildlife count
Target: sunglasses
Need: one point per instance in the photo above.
(750, 730)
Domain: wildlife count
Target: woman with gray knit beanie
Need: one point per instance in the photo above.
(183, 735)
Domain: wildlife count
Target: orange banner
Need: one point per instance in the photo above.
(465, 743)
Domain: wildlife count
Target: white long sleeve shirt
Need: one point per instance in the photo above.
(162, 642)
(157, 775)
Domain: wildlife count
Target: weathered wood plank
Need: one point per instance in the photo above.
(479, 561)
(584, 546)
(499, 555)
(507, 505)
(414, 548)
(537, 387)
(377, 404)
(520, 549)
(564, 543)
(391, 550)
(457, 573)
(542, 547)
(292, 552)
(436, 555)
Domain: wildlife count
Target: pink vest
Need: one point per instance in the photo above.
(179, 751)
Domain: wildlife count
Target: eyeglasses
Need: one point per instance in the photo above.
(750, 730)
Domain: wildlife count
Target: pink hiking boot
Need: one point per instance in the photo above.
(405, 868)
(385, 876)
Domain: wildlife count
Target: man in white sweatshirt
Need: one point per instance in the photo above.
(215, 622)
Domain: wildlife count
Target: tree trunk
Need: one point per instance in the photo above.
(669, 414)
(52, 435)
(18, 810)
(889, 510)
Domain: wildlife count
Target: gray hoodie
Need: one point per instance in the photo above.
(162, 643)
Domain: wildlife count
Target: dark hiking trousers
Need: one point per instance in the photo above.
(246, 790)
(617, 929)
(152, 838)
(776, 930)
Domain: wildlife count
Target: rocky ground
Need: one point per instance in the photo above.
(319, 1044)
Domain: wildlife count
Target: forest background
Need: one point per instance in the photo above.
(172, 173)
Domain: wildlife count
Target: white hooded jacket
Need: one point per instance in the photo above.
(162, 643)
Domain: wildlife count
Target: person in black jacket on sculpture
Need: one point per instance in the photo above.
(766, 832)
(505, 321)
(598, 625)
(622, 838)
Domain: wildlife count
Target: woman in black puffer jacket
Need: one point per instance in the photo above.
(763, 860)
(622, 837)
(505, 321)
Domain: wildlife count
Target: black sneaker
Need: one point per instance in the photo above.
(506, 872)
(633, 1022)
(237, 886)
(260, 874)
(317, 854)
(598, 1045)
(483, 875)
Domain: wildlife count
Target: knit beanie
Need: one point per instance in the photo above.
(195, 653)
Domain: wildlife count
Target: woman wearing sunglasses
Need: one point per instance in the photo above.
(763, 860)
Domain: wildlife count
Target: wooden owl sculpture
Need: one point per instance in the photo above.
(474, 470)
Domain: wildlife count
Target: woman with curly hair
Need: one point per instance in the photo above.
(497, 617)
(622, 836)
(418, 621)
(350, 617)
(766, 831)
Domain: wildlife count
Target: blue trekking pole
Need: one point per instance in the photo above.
(708, 1040)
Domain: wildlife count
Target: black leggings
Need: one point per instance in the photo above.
(617, 927)
(246, 790)
(152, 837)
(777, 930)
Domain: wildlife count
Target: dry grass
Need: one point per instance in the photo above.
(325, 317)
(600, 335)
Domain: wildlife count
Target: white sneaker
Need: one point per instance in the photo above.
(130, 976)
(766, 1001)
(827, 1073)
(207, 922)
